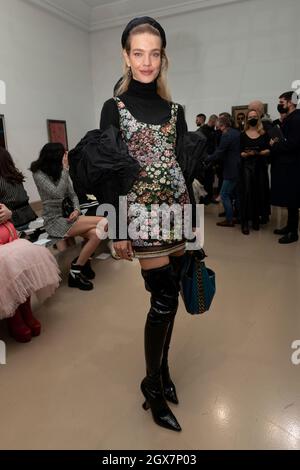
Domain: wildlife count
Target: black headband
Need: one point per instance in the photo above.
(143, 20)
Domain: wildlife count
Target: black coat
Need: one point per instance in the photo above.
(285, 164)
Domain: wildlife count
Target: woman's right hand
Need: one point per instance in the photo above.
(65, 161)
(124, 249)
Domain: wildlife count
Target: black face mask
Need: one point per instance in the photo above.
(253, 122)
(281, 109)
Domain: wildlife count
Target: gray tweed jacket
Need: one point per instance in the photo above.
(52, 195)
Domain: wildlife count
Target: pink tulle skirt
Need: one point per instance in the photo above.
(25, 269)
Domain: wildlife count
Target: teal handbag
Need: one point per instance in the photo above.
(198, 283)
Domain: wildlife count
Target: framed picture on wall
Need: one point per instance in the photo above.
(57, 132)
(239, 114)
(3, 142)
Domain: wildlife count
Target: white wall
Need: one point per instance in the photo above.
(220, 57)
(46, 65)
(223, 56)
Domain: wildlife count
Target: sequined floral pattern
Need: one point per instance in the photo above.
(160, 180)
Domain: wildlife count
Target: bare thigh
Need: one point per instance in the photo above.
(83, 225)
(158, 262)
(178, 253)
(153, 263)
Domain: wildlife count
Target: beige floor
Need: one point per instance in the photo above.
(77, 385)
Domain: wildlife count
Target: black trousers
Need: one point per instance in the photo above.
(293, 219)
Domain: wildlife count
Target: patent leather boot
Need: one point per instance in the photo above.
(168, 385)
(161, 282)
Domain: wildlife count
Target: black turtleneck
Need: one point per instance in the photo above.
(144, 103)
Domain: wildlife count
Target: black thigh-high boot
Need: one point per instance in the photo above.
(161, 283)
(168, 384)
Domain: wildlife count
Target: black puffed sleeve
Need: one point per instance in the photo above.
(109, 115)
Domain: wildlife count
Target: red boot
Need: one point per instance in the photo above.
(29, 319)
(17, 328)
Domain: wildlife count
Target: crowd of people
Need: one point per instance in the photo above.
(257, 164)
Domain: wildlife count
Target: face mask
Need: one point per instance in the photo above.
(253, 122)
(281, 109)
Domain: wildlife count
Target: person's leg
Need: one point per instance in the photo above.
(29, 319)
(89, 247)
(81, 270)
(82, 225)
(219, 172)
(292, 227)
(255, 185)
(160, 281)
(18, 329)
(177, 261)
(244, 199)
(226, 193)
(293, 219)
(208, 184)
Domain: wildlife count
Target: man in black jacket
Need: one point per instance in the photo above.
(285, 168)
(228, 151)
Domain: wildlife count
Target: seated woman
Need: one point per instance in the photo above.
(25, 269)
(12, 192)
(51, 176)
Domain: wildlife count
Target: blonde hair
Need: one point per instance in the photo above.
(162, 86)
(259, 126)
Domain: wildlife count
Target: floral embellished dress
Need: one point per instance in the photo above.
(160, 184)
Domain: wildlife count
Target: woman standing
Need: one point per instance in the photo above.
(51, 176)
(254, 182)
(151, 126)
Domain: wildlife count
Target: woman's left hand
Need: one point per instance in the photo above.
(5, 214)
(74, 216)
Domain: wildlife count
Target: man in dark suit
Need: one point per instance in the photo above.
(285, 168)
(229, 152)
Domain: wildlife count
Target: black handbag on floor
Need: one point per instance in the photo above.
(198, 283)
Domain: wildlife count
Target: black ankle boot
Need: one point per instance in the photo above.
(161, 413)
(161, 282)
(77, 279)
(86, 270)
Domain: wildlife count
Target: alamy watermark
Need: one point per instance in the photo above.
(296, 354)
(153, 222)
(296, 95)
(2, 353)
(2, 92)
